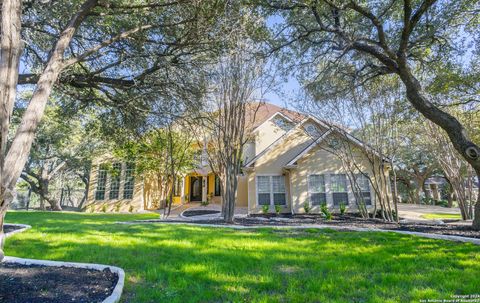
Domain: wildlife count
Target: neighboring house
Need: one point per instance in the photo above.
(288, 161)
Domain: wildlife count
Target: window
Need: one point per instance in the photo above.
(339, 189)
(311, 130)
(263, 188)
(129, 181)
(177, 188)
(217, 186)
(364, 185)
(271, 190)
(101, 183)
(282, 123)
(115, 181)
(316, 189)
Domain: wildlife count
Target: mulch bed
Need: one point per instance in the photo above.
(346, 220)
(41, 284)
(9, 228)
(199, 212)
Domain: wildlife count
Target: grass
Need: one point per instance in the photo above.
(180, 263)
(441, 216)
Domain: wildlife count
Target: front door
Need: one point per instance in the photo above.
(196, 189)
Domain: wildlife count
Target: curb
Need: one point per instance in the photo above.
(474, 241)
(117, 291)
(24, 228)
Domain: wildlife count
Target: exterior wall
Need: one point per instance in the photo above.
(272, 163)
(114, 205)
(321, 161)
(266, 134)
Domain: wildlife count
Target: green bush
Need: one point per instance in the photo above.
(117, 207)
(278, 209)
(204, 203)
(130, 209)
(306, 207)
(104, 208)
(265, 209)
(343, 208)
(326, 212)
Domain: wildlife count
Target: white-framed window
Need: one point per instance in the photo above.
(364, 185)
(316, 189)
(338, 184)
(115, 181)
(271, 190)
(101, 182)
(129, 184)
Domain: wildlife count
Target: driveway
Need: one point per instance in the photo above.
(415, 211)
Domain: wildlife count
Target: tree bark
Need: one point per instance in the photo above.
(476, 214)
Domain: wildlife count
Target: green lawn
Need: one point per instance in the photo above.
(441, 216)
(179, 263)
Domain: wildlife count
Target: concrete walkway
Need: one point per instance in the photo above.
(414, 212)
(177, 213)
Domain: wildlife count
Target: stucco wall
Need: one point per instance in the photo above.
(272, 163)
(321, 160)
(266, 134)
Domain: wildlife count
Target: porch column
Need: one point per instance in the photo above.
(204, 188)
(182, 190)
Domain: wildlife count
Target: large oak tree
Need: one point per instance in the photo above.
(96, 51)
(338, 45)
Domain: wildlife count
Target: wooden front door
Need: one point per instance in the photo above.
(196, 188)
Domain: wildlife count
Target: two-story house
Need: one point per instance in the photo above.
(287, 162)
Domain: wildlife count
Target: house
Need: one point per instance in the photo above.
(290, 159)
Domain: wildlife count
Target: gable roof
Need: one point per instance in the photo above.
(261, 112)
(309, 148)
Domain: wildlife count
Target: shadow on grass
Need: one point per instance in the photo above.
(180, 263)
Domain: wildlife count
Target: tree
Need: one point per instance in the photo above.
(94, 60)
(373, 114)
(62, 145)
(163, 154)
(345, 43)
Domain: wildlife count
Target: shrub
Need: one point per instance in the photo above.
(104, 208)
(130, 209)
(343, 208)
(326, 212)
(117, 207)
(443, 203)
(278, 209)
(265, 209)
(92, 208)
(306, 207)
(204, 203)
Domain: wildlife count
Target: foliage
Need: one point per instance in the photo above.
(265, 209)
(324, 209)
(278, 209)
(204, 203)
(343, 208)
(294, 270)
(307, 207)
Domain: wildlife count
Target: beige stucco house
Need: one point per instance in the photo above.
(289, 161)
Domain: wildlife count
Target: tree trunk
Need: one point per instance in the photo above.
(2, 235)
(454, 129)
(476, 214)
(6, 197)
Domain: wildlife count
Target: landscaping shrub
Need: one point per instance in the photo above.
(104, 208)
(204, 203)
(326, 212)
(130, 209)
(343, 208)
(278, 209)
(117, 207)
(265, 209)
(306, 207)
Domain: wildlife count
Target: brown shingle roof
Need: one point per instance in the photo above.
(261, 112)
